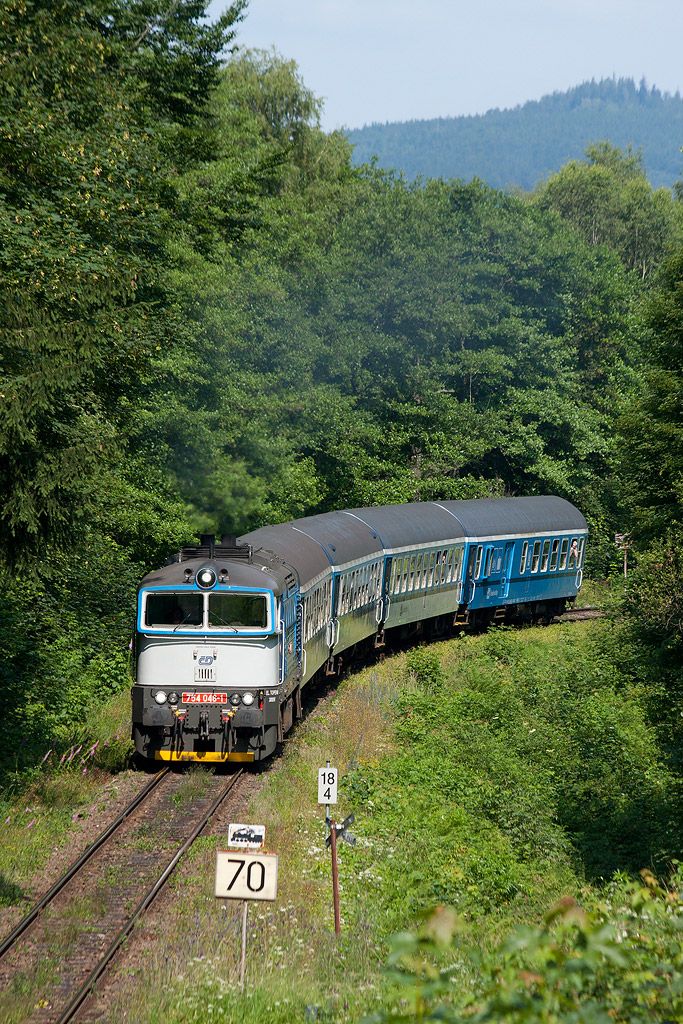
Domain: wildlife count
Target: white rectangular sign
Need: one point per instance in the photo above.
(246, 876)
(327, 785)
(246, 837)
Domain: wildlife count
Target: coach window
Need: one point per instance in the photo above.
(522, 560)
(544, 556)
(554, 551)
(487, 562)
(574, 553)
(458, 557)
(564, 548)
(477, 563)
(581, 544)
(536, 555)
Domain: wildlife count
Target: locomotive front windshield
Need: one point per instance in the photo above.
(234, 611)
(247, 610)
(165, 611)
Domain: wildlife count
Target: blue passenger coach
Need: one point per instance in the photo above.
(230, 632)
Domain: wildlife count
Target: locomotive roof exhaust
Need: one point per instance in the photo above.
(227, 547)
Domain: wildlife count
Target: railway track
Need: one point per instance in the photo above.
(579, 614)
(53, 960)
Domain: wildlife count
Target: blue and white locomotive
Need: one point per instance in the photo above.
(230, 632)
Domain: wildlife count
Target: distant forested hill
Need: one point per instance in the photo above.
(523, 145)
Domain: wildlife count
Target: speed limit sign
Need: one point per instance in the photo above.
(246, 876)
(327, 785)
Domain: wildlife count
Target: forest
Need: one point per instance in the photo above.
(521, 146)
(212, 319)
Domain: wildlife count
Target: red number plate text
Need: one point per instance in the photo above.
(205, 698)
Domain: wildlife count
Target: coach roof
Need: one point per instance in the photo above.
(509, 517)
(412, 525)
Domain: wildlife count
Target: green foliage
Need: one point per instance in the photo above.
(95, 101)
(610, 202)
(621, 962)
(425, 665)
(651, 469)
(521, 756)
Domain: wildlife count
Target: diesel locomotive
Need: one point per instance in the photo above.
(230, 632)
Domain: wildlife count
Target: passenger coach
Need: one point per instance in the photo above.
(229, 633)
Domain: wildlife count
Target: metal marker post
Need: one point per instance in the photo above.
(335, 878)
(243, 961)
(335, 869)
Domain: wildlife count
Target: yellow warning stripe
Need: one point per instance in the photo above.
(201, 755)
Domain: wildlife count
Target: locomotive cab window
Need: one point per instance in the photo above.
(243, 611)
(167, 611)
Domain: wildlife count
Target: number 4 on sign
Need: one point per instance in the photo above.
(327, 785)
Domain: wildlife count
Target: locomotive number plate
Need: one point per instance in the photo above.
(205, 698)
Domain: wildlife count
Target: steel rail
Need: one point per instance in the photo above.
(21, 927)
(89, 984)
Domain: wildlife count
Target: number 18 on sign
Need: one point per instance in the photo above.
(327, 785)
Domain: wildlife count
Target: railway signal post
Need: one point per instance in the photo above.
(327, 794)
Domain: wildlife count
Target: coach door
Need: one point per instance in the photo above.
(507, 566)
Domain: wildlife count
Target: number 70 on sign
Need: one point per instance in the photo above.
(327, 785)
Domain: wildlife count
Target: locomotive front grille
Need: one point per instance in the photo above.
(204, 674)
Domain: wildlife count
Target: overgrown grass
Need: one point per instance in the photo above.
(55, 795)
(495, 774)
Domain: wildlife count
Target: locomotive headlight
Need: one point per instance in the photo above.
(235, 699)
(160, 697)
(206, 578)
(173, 697)
(248, 698)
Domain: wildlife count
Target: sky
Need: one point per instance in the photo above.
(395, 60)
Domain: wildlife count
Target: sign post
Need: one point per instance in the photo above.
(246, 875)
(623, 542)
(243, 957)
